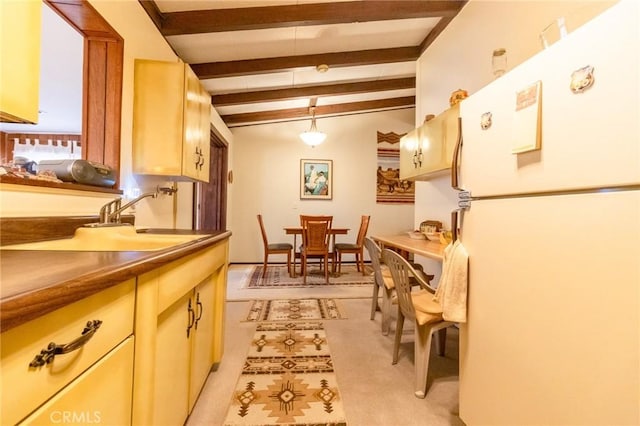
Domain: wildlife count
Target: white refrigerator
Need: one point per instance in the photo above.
(553, 236)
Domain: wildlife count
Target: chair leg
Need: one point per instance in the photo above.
(441, 338)
(303, 269)
(422, 348)
(398, 336)
(374, 300)
(289, 264)
(326, 269)
(264, 266)
(339, 256)
(386, 311)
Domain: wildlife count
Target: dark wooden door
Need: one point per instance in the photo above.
(210, 199)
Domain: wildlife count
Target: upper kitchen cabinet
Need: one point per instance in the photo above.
(427, 151)
(171, 121)
(20, 31)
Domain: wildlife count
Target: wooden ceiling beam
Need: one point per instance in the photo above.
(438, 28)
(313, 91)
(336, 109)
(289, 63)
(255, 18)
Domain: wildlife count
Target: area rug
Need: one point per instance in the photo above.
(288, 378)
(294, 310)
(278, 277)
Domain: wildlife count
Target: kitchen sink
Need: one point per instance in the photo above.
(111, 238)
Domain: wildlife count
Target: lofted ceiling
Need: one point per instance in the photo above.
(261, 60)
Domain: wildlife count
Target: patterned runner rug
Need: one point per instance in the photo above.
(294, 310)
(278, 277)
(288, 378)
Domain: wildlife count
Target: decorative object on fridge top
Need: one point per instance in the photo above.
(582, 79)
(485, 121)
(499, 62)
(457, 96)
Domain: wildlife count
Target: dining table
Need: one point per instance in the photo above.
(297, 230)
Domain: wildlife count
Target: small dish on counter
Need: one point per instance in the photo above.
(415, 235)
(432, 236)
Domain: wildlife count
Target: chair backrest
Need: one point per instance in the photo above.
(264, 233)
(375, 253)
(364, 226)
(315, 233)
(401, 271)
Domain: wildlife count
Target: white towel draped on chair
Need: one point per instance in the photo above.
(451, 293)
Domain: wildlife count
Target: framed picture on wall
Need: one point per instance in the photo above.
(316, 179)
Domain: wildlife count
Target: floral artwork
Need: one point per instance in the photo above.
(316, 179)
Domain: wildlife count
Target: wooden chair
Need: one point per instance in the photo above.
(381, 281)
(384, 281)
(356, 248)
(420, 307)
(275, 248)
(315, 242)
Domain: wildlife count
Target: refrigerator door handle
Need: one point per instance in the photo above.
(456, 158)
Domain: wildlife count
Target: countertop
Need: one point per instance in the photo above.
(34, 283)
(431, 249)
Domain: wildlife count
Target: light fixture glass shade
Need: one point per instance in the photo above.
(313, 137)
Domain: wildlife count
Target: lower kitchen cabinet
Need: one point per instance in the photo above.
(97, 332)
(178, 335)
(184, 349)
(101, 395)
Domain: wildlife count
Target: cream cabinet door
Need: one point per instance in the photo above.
(195, 150)
(173, 349)
(409, 155)
(20, 28)
(171, 121)
(158, 113)
(203, 337)
(101, 395)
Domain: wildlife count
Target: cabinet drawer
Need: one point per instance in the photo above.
(179, 277)
(32, 386)
(101, 395)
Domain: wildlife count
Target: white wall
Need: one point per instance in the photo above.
(266, 170)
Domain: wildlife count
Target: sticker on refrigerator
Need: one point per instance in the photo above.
(527, 132)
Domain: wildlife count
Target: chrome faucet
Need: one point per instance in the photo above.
(110, 212)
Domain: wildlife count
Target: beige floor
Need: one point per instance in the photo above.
(374, 392)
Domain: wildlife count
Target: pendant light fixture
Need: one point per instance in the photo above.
(313, 137)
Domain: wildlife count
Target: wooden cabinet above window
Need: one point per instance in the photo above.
(171, 121)
(20, 30)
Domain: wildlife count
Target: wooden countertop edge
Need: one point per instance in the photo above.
(430, 249)
(24, 307)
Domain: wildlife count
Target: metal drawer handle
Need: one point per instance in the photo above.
(47, 355)
(199, 305)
